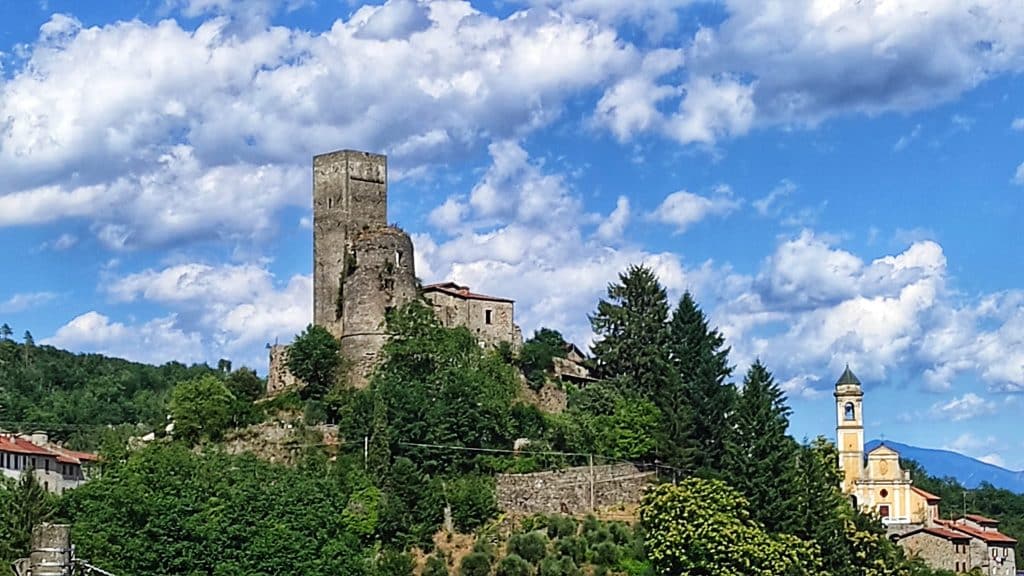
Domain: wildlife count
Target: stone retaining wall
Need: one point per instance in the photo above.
(568, 491)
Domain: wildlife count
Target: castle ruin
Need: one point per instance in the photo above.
(362, 268)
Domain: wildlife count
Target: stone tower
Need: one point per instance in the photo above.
(361, 266)
(850, 428)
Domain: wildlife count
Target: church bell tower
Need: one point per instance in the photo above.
(850, 428)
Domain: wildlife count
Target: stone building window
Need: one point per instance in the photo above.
(398, 258)
(488, 316)
(849, 413)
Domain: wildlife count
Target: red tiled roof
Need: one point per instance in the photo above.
(458, 291)
(941, 533)
(978, 518)
(990, 536)
(926, 495)
(21, 446)
(17, 445)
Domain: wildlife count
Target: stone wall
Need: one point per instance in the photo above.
(936, 552)
(568, 491)
(279, 378)
(491, 320)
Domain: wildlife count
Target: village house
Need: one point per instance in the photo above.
(56, 468)
(489, 318)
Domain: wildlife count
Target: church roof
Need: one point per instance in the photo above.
(848, 378)
(925, 494)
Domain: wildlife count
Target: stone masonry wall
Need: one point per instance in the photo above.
(937, 552)
(279, 378)
(568, 491)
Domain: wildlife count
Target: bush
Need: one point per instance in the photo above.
(633, 567)
(532, 546)
(513, 565)
(561, 526)
(394, 563)
(475, 564)
(606, 554)
(559, 566)
(435, 567)
(572, 547)
(621, 534)
(473, 501)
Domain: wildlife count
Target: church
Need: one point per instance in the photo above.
(877, 484)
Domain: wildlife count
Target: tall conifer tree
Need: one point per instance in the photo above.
(631, 326)
(760, 456)
(699, 422)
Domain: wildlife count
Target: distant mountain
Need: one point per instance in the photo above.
(968, 471)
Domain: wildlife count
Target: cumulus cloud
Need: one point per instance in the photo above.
(684, 209)
(97, 117)
(965, 407)
(236, 307)
(983, 448)
(1018, 177)
(612, 228)
(816, 58)
(1017, 124)
(156, 341)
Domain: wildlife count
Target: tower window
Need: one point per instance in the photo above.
(487, 316)
(398, 258)
(848, 412)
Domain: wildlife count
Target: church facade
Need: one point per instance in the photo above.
(877, 483)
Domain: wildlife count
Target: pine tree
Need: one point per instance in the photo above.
(700, 410)
(822, 506)
(632, 333)
(760, 456)
(6, 332)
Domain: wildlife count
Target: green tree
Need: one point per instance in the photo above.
(632, 333)
(202, 409)
(536, 358)
(698, 411)
(703, 527)
(759, 449)
(245, 384)
(602, 420)
(438, 388)
(23, 505)
(314, 358)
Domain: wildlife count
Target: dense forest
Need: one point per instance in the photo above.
(742, 497)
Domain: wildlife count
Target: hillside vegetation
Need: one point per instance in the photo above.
(438, 420)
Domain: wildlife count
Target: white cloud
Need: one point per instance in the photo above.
(713, 108)
(982, 448)
(993, 459)
(1017, 124)
(769, 205)
(816, 58)
(683, 209)
(156, 341)
(98, 117)
(630, 106)
(25, 300)
(612, 228)
(1018, 177)
(236, 307)
(965, 407)
(907, 139)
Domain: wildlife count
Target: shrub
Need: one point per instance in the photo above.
(473, 501)
(561, 526)
(475, 564)
(633, 567)
(513, 565)
(606, 554)
(621, 534)
(531, 546)
(572, 547)
(435, 567)
(394, 563)
(559, 566)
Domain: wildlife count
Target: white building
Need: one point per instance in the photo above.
(56, 468)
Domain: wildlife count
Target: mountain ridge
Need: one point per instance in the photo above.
(970, 472)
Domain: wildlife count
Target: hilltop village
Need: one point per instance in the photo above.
(412, 430)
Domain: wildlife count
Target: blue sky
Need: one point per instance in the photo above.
(836, 181)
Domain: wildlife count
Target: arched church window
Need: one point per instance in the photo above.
(849, 411)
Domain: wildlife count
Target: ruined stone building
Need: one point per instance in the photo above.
(489, 318)
(362, 267)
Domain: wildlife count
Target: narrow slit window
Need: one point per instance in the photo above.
(488, 316)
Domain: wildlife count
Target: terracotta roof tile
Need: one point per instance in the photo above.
(458, 291)
(981, 519)
(990, 537)
(925, 494)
